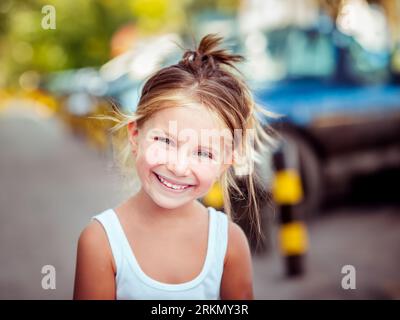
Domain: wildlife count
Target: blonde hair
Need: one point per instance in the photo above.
(207, 76)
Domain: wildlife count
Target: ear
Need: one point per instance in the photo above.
(133, 135)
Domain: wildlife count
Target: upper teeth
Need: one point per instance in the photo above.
(170, 185)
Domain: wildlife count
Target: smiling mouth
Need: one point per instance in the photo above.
(172, 186)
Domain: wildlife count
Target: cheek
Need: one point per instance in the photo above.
(141, 165)
(206, 174)
(153, 155)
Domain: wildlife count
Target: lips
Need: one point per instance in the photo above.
(170, 185)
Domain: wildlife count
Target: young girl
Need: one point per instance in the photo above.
(195, 124)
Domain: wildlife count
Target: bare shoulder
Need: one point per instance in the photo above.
(93, 231)
(93, 235)
(237, 278)
(237, 241)
(95, 269)
(93, 240)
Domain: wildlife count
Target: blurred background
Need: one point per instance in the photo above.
(330, 69)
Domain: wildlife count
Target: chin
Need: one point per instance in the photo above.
(168, 203)
(169, 206)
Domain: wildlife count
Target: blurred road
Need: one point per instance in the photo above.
(367, 238)
(51, 184)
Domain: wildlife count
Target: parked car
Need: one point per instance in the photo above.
(340, 108)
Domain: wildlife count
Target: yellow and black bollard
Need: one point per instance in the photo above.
(214, 197)
(287, 193)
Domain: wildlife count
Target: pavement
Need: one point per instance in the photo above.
(52, 182)
(367, 238)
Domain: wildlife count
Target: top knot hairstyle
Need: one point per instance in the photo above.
(207, 76)
(205, 61)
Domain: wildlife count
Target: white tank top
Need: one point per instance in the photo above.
(133, 283)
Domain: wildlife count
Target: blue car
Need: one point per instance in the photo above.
(339, 107)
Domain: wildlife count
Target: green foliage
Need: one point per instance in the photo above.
(83, 30)
(81, 38)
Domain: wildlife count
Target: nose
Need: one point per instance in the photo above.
(179, 163)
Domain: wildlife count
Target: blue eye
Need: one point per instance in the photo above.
(163, 139)
(205, 154)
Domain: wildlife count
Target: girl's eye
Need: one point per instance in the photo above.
(205, 154)
(163, 139)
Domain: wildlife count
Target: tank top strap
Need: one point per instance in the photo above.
(115, 234)
(220, 242)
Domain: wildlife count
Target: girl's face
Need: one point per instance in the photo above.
(179, 154)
